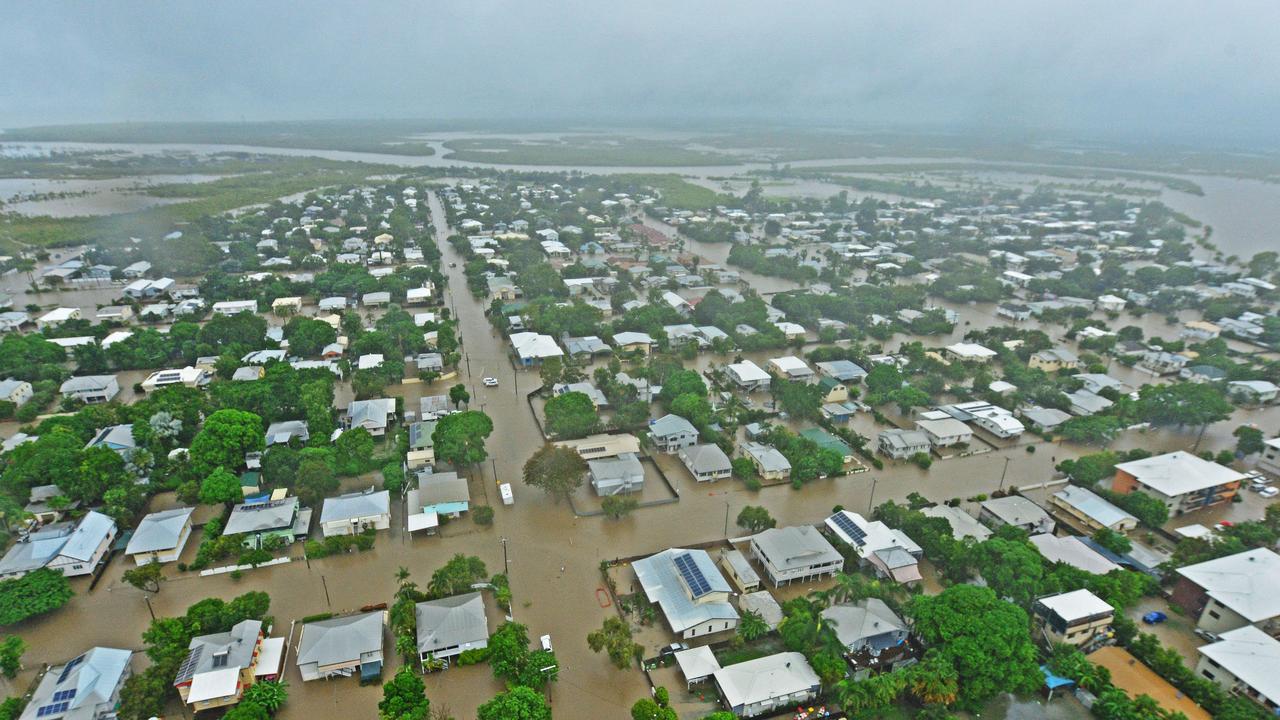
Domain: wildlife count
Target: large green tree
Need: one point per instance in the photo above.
(459, 438)
(571, 415)
(557, 471)
(224, 440)
(614, 637)
(404, 697)
(220, 487)
(518, 703)
(511, 659)
(35, 593)
(986, 639)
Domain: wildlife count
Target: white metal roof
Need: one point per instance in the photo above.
(1252, 656)
(1248, 583)
(1178, 473)
(218, 683)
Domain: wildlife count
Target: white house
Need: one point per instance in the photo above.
(356, 512)
(70, 549)
(160, 536)
(17, 392)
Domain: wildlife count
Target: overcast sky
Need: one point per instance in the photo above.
(1168, 68)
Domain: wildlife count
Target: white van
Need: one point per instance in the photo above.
(507, 497)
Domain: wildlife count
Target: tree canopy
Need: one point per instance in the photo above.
(557, 471)
(459, 438)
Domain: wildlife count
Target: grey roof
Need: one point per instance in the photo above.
(91, 681)
(763, 603)
(374, 411)
(903, 438)
(352, 506)
(444, 487)
(420, 435)
(842, 370)
(863, 620)
(76, 541)
(260, 517)
(1093, 506)
(671, 425)
(762, 679)
(1247, 583)
(283, 431)
(661, 581)
(451, 621)
(619, 467)
(706, 458)
(7, 387)
(87, 383)
(116, 437)
(589, 345)
(1015, 510)
(1048, 418)
(796, 547)
(341, 639)
(237, 645)
(769, 458)
(159, 531)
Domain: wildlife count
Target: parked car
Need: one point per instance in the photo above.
(490, 382)
(672, 649)
(1155, 617)
(546, 643)
(1269, 492)
(1207, 636)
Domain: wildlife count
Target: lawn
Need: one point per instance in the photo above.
(583, 150)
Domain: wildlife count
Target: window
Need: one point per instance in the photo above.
(1214, 614)
(1207, 674)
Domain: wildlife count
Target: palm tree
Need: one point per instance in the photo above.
(402, 574)
(751, 625)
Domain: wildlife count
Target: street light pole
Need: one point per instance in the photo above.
(1004, 472)
(153, 612)
(506, 567)
(726, 518)
(871, 500)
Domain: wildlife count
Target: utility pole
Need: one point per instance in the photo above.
(726, 518)
(153, 612)
(506, 567)
(1004, 472)
(871, 500)
(327, 601)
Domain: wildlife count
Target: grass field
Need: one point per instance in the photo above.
(1070, 173)
(679, 193)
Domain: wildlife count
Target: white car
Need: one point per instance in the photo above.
(1269, 492)
(490, 382)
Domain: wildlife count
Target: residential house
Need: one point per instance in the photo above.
(422, 446)
(748, 376)
(115, 437)
(70, 548)
(191, 377)
(356, 512)
(56, 317)
(91, 389)
(1088, 511)
(450, 626)
(285, 431)
(1182, 481)
(1084, 403)
(1244, 661)
(992, 418)
(768, 462)
(40, 504)
(740, 570)
(791, 368)
(372, 415)
(160, 536)
(532, 348)
(969, 352)
(795, 553)
(889, 551)
(618, 474)
(220, 667)
(1017, 511)
(437, 494)
(260, 520)
(1203, 374)
(1072, 550)
(1097, 382)
(768, 684)
(633, 342)
(843, 371)
(875, 639)
(691, 593)
(1054, 360)
(1159, 362)
(1253, 392)
(963, 525)
(602, 445)
(1269, 461)
(1076, 618)
(234, 307)
(832, 390)
(593, 393)
(85, 688)
(902, 444)
(1231, 592)
(1045, 419)
(670, 433)
(945, 431)
(826, 441)
(707, 463)
(342, 647)
(14, 391)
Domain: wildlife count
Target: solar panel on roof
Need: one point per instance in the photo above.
(850, 528)
(52, 709)
(692, 575)
(64, 694)
(69, 667)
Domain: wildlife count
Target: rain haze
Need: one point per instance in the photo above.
(1179, 70)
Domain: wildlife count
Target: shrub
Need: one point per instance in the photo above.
(482, 515)
(473, 657)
